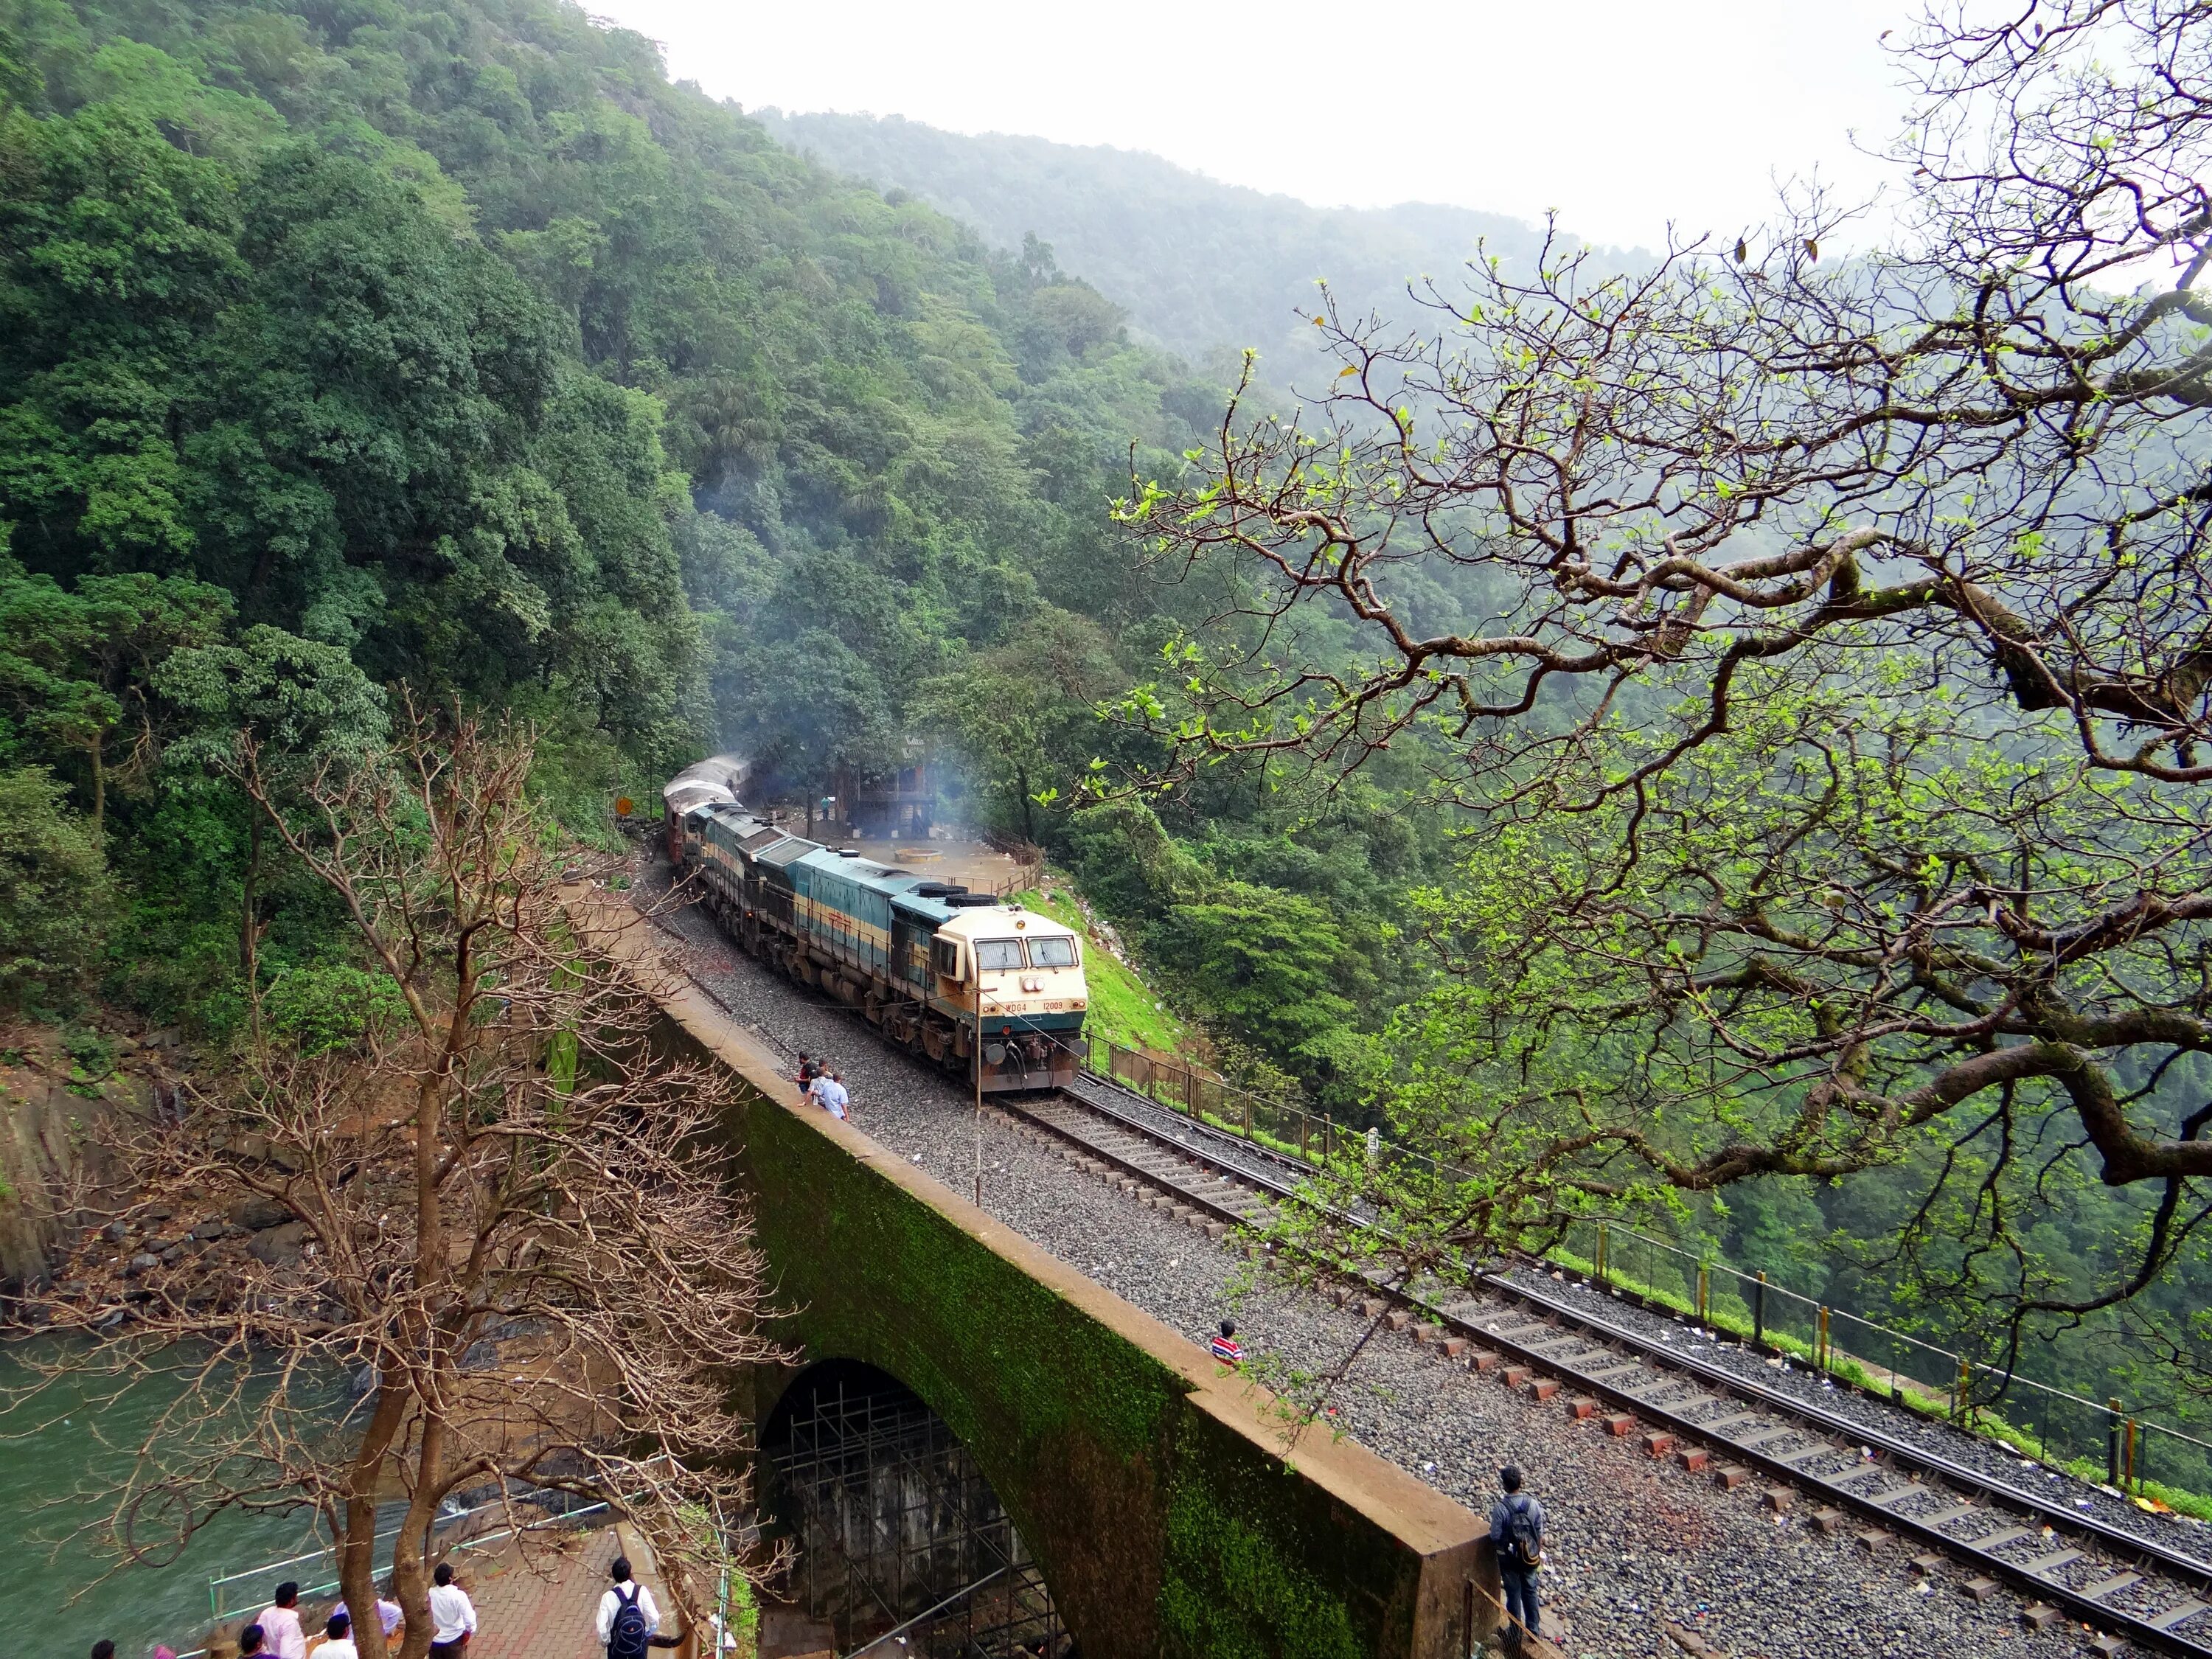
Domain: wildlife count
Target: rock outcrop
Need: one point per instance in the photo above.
(56, 1116)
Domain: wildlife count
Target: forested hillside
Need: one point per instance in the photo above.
(1202, 265)
(353, 350)
(362, 350)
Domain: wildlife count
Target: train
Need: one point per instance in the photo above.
(985, 988)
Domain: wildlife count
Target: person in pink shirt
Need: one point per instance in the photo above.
(280, 1635)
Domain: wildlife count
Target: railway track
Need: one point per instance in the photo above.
(1672, 1389)
(1544, 1337)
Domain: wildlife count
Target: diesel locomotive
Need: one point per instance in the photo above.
(955, 976)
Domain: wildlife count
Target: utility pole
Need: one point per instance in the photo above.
(976, 967)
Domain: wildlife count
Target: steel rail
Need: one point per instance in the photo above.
(1782, 1417)
(1280, 1176)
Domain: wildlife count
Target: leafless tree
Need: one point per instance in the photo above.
(485, 1201)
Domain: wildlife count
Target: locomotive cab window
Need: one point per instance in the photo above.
(1051, 953)
(944, 956)
(996, 955)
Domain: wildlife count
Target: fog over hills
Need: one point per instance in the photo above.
(1198, 265)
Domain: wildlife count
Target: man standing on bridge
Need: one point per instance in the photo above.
(829, 1092)
(1516, 1533)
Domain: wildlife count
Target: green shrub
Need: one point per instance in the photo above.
(54, 893)
(328, 1005)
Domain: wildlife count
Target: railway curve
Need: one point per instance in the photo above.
(1587, 1349)
(1597, 1350)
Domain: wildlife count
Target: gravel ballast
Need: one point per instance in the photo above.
(1987, 1459)
(1635, 1542)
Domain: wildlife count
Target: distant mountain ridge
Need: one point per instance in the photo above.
(1200, 265)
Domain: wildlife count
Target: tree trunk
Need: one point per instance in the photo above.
(357, 1543)
(411, 1572)
(247, 932)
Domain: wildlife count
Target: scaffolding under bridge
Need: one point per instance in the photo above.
(903, 1547)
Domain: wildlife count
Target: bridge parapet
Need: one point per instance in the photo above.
(1155, 1490)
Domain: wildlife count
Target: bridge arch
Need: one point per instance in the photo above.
(899, 1530)
(1154, 1491)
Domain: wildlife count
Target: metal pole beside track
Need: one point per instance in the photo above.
(976, 967)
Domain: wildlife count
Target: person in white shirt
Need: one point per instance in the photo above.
(829, 1092)
(337, 1642)
(611, 1601)
(452, 1616)
(389, 1615)
(280, 1635)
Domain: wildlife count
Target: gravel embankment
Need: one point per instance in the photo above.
(1987, 1459)
(1634, 1543)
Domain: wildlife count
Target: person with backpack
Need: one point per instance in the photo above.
(1516, 1533)
(629, 1623)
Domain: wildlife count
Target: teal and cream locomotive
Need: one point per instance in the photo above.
(959, 977)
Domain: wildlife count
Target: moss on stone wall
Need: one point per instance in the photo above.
(944, 1313)
(1161, 1528)
(1229, 1590)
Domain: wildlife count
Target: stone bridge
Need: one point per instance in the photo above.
(1155, 1490)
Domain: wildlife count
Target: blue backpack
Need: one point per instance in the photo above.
(629, 1637)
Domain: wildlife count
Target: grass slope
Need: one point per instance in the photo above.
(1123, 1008)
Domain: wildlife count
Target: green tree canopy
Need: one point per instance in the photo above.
(54, 891)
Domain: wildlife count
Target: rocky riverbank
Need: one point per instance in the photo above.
(62, 1093)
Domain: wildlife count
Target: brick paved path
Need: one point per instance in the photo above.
(523, 1615)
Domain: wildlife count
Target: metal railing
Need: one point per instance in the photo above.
(2094, 1439)
(1277, 1124)
(221, 1587)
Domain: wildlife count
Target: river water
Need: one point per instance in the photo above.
(53, 1603)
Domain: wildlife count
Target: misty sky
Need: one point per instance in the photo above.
(1621, 113)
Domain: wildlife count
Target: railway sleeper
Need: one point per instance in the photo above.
(1508, 1319)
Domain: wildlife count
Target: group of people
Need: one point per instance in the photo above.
(820, 1085)
(627, 1623)
(281, 1631)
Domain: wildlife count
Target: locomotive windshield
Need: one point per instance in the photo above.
(1052, 952)
(994, 954)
